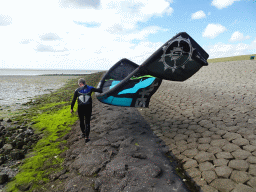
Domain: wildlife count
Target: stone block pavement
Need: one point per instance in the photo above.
(209, 124)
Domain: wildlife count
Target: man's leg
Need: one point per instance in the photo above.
(88, 114)
(81, 118)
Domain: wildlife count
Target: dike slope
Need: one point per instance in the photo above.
(123, 155)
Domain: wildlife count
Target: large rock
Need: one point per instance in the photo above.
(214, 150)
(241, 154)
(249, 148)
(223, 185)
(116, 168)
(252, 182)
(203, 147)
(204, 156)
(190, 164)
(89, 164)
(230, 147)
(208, 188)
(17, 155)
(193, 172)
(206, 166)
(219, 142)
(7, 147)
(223, 171)
(190, 153)
(243, 188)
(224, 155)
(220, 162)
(239, 176)
(240, 165)
(251, 159)
(78, 183)
(231, 136)
(252, 171)
(240, 141)
(3, 178)
(204, 140)
(209, 176)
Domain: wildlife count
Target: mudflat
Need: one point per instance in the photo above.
(18, 90)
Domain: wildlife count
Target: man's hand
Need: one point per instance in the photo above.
(71, 110)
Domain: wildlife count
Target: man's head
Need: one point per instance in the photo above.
(81, 82)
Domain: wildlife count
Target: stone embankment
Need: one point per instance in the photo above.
(122, 155)
(209, 124)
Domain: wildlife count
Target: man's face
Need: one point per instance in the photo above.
(81, 85)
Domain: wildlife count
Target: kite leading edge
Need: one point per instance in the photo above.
(131, 85)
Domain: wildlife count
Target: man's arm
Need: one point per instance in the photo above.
(96, 90)
(73, 101)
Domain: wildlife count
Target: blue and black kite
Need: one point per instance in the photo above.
(131, 85)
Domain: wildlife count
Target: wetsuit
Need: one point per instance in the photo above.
(83, 96)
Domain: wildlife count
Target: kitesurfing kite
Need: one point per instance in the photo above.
(131, 85)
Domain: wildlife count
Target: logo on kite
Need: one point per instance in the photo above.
(177, 53)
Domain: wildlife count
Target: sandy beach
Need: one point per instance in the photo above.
(208, 123)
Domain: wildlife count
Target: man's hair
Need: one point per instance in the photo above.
(81, 81)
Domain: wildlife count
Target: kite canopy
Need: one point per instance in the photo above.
(131, 85)
(125, 85)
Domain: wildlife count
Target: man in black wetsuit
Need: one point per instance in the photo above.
(83, 96)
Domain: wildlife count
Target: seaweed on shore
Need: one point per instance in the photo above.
(49, 115)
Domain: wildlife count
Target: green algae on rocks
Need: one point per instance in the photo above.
(52, 119)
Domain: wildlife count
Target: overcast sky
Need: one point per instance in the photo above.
(95, 34)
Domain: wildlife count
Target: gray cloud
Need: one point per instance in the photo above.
(5, 20)
(79, 3)
(48, 48)
(50, 37)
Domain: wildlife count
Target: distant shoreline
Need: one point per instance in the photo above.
(68, 74)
